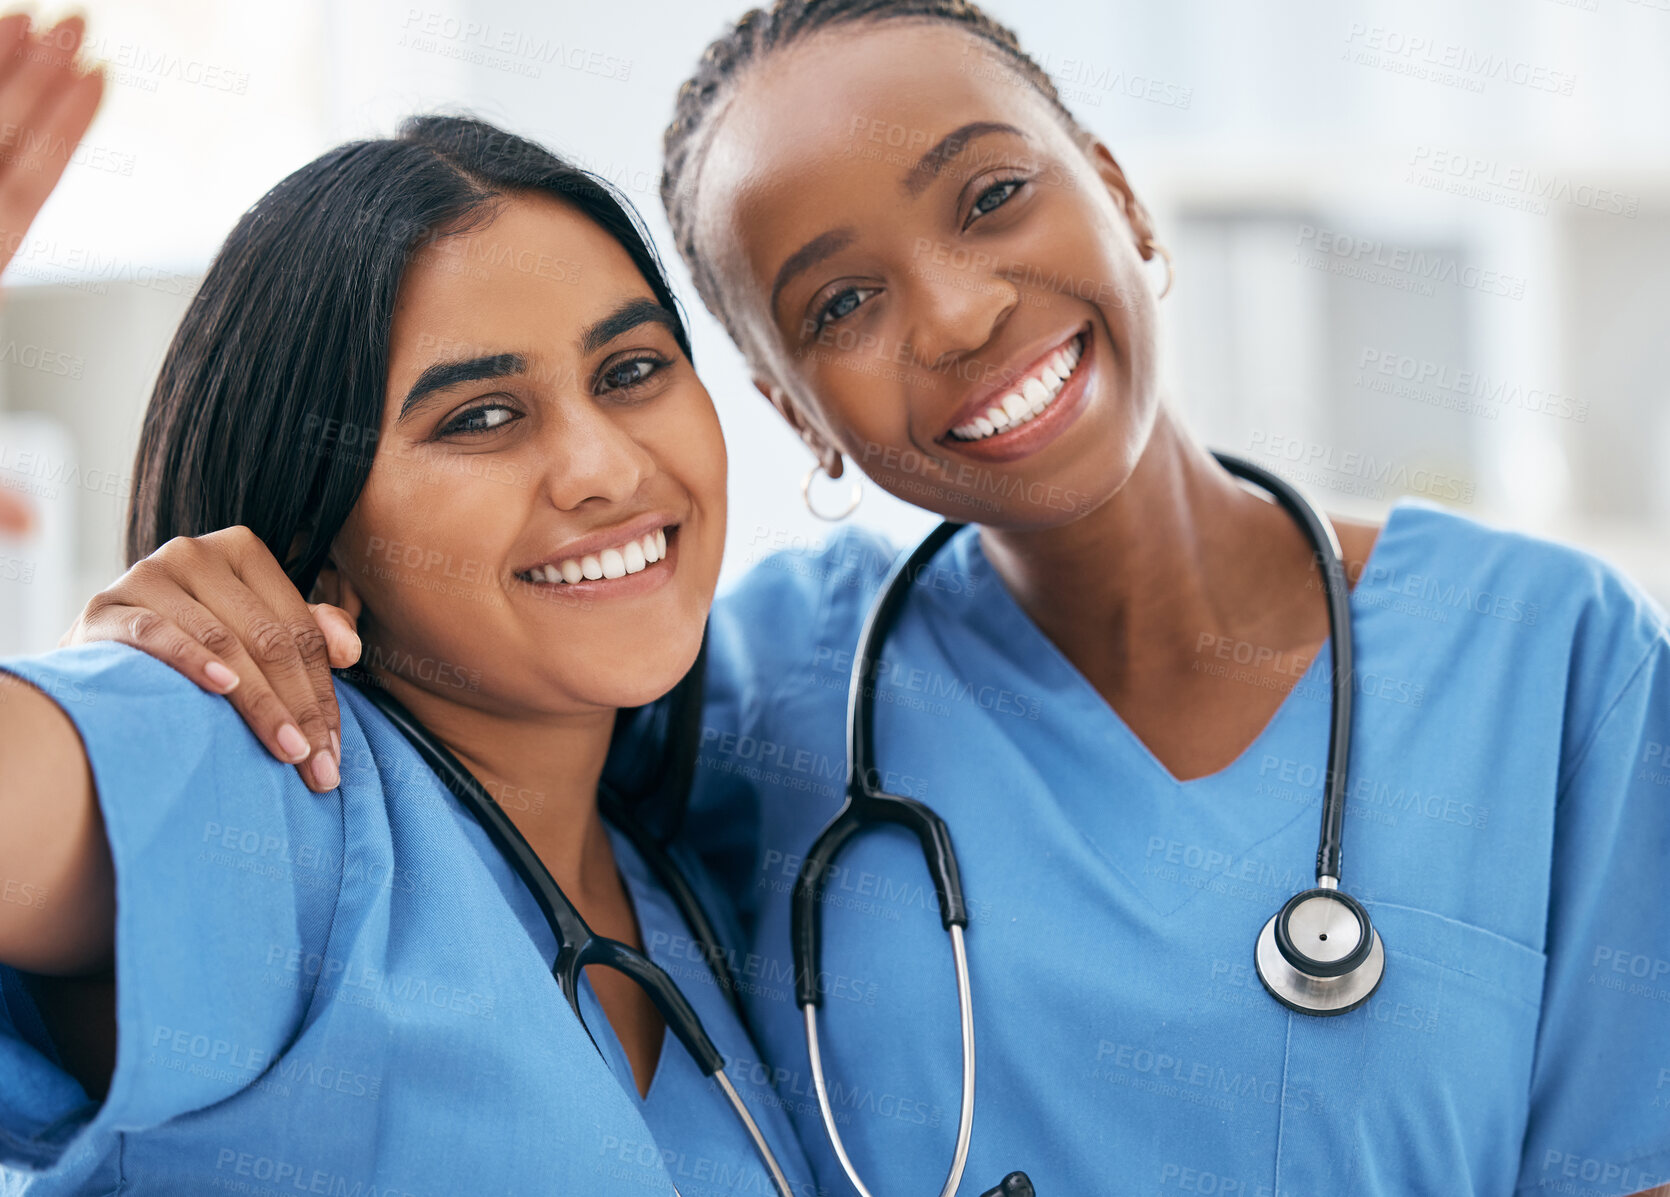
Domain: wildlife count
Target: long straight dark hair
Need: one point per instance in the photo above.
(266, 410)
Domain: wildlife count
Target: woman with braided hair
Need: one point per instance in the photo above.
(1113, 688)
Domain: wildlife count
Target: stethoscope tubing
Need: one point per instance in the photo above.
(965, 1116)
(867, 804)
(577, 945)
(1330, 559)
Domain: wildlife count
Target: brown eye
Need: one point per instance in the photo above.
(993, 198)
(485, 418)
(628, 373)
(843, 303)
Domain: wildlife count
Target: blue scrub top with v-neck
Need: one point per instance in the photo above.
(1507, 827)
(346, 994)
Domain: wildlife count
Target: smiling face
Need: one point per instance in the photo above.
(932, 273)
(542, 525)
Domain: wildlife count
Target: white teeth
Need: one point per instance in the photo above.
(632, 557)
(1033, 396)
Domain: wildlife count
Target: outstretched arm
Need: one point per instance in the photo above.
(58, 912)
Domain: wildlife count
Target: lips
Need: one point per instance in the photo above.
(1028, 398)
(630, 557)
(606, 556)
(1042, 402)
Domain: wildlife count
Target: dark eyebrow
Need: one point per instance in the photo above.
(445, 374)
(814, 251)
(624, 319)
(946, 150)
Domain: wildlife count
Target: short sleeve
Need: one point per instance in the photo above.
(1600, 1090)
(227, 872)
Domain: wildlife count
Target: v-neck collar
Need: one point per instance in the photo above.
(1002, 615)
(642, 893)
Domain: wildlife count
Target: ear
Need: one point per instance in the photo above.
(827, 454)
(333, 586)
(1113, 178)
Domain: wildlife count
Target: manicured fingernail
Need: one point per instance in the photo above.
(324, 771)
(336, 748)
(220, 677)
(295, 744)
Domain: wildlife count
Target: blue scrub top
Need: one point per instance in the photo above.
(346, 994)
(1508, 828)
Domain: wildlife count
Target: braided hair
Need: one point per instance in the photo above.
(754, 36)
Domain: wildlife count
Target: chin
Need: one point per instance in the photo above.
(642, 678)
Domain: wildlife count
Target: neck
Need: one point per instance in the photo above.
(1180, 554)
(543, 771)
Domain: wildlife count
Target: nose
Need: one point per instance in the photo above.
(592, 457)
(956, 311)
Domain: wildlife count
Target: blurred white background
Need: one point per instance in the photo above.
(1421, 247)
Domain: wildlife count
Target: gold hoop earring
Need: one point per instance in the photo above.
(1154, 247)
(806, 495)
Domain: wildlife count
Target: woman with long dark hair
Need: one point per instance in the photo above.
(1115, 690)
(439, 376)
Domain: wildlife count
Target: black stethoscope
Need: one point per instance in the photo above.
(1319, 954)
(577, 945)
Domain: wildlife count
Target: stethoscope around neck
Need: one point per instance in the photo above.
(1319, 954)
(578, 946)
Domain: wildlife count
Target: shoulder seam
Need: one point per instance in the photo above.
(1570, 771)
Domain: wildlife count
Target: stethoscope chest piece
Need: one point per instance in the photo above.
(1319, 954)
